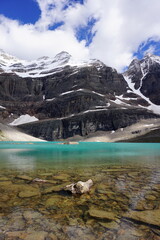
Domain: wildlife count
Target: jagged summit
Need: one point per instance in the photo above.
(143, 77)
(149, 63)
(43, 66)
(62, 56)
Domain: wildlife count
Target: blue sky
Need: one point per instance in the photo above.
(113, 31)
(26, 11)
(149, 46)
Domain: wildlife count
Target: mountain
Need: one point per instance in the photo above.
(143, 77)
(69, 97)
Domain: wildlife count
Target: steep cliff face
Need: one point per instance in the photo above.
(151, 87)
(85, 123)
(70, 97)
(14, 88)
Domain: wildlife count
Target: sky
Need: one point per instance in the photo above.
(113, 31)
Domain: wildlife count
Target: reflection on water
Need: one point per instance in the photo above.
(17, 159)
(85, 154)
(124, 202)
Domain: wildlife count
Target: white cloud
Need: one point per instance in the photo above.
(151, 50)
(28, 42)
(121, 27)
(51, 12)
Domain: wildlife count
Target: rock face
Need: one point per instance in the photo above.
(71, 98)
(84, 124)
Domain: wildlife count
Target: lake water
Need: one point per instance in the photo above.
(124, 201)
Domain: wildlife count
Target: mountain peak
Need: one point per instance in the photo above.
(43, 58)
(63, 53)
(148, 55)
(7, 59)
(62, 57)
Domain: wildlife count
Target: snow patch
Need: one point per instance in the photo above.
(94, 110)
(81, 90)
(1, 107)
(98, 93)
(125, 98)
(23, 119)
(104, 106)
(50, 99)
(117, 101)
(65, 93)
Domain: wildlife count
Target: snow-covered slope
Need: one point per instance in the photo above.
(153, 107)
(41, 67)
(140, 82)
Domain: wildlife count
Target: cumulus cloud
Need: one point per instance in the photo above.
(28, 42)
(51, 12)
(121, 26)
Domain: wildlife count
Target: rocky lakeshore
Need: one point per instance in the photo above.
(123, 203)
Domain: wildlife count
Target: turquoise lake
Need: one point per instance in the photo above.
(55, 155)
(123, 203)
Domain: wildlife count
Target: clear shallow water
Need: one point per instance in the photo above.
(55, 155)
(126, 180)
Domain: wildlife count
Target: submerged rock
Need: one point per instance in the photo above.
(30, 214)
(110, 225)
(28, 192)
(150, 197)
(151, 217)
(24, 177)
(57, 188)
(53, 201)
(100, 214)
(40, 235)
(62, 176)
(39, 180)
(79, 187)
(4, 179)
